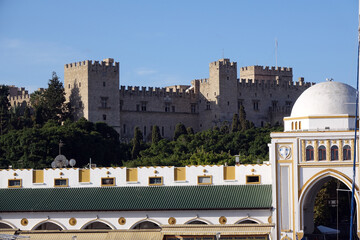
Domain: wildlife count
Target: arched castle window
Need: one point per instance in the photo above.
(334, 153)
(322, 153)
(309, 153)
(347, 152)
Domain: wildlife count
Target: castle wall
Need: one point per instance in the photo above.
(145, 108)
(268, 101)
(18, 97)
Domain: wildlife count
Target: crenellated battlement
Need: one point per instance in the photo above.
(156, 91)
(267, 69)
(266, 84)
(223, 62)
(107, 64)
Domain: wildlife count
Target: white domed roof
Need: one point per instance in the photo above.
(325, 99)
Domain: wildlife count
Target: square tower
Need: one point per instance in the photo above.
(93, 90)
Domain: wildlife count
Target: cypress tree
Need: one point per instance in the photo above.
(235, 126)
(4, 109)
(155, 134)
(138, 137)
(242, 119)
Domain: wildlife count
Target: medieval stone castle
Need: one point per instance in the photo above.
(267, 95)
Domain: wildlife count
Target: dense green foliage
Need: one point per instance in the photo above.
(207, 147)
(37, 147)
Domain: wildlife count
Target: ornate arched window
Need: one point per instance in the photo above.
(146, 225)
(322, 153)
(309, 153)
(334, 153)
(347, 152)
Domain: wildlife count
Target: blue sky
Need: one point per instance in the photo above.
(160, 43)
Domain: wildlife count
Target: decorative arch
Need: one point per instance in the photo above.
(98, 224)
(310, 189)
(142, 222)
(49, 225)
(191, 221)
(248, 220)
(6, 225)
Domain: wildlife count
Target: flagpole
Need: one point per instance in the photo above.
(352, 211)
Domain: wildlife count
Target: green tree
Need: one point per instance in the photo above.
(54, 97)
(155, 134)
(179, 130)
(4, 109)
(235, 126)
(137, 142)
(242, 118)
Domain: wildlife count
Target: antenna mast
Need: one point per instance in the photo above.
(276, 48)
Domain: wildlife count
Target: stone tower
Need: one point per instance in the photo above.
(93, 90)
(218, 94)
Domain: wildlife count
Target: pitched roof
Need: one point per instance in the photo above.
(136, 198)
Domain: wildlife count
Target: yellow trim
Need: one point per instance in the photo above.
(180, 173)
(156, 184)
(38, 176)
(131, 175)
(258, 182)
(84, 175)
(66, 179)
(204, 176)
(16, 186)
(315, 117)
(229, 173)
(107, 178)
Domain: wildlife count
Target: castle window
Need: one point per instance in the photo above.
(228, 103)
(162, 131)
(193, 108)
(274, 104)
(167, 107)
(80, 104)
(121, 104)
(144, 131)
(104, 84)
(79, 84)
(288, 96)
(124, 128)
(208, 106)
(104, 101)
(173, 108)
(143, 106)
(347, 152)
(137, 107)
(334, 153)
(309, 153)
(104, 117)
(214, 93)
(256, 105)
(69, 86)
(322, 153)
